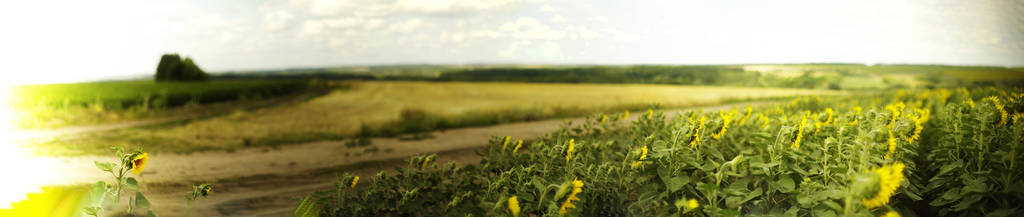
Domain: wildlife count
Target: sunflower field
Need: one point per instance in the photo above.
(898, 153)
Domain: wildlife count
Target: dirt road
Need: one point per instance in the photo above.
(264, 182)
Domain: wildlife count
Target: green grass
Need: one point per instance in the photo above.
(57, 105)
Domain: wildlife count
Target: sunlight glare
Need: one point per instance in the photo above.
(26, 174)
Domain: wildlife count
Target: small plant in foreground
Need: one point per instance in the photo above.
(202, 190)
(133, 162)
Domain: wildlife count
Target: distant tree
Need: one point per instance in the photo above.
(173, 68)
(191, 72)
(169, 63)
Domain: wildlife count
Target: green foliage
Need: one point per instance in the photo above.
(173, 68)
(960, 161)
(307, 208)
(134, 162)
(975, 169)
(201, 190)
(169, 64)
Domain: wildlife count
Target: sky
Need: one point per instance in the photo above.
(51, 41)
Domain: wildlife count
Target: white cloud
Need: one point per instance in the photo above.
(616, 34)
(406, 26)
(550, 50)
(558, 19)
(546, 8)
(344, 22)
(536, 51)
(312, 27)
(456, 37)
(530, 28)
(277, 20)
(584, 32)
(373, 24)
(449, 6)
(509, 52)
(485, 33)
(336, 42)
(378, 8)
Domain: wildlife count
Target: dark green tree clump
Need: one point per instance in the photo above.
(173, 68)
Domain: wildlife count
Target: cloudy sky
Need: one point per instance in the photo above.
(59, 41)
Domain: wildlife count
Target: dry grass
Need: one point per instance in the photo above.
(341, 113)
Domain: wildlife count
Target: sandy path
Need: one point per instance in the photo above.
(262, 181)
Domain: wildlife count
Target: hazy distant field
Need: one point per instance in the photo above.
(340, 114)
(56, 105)
(909, 75)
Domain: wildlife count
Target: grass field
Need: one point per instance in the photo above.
(56, 105)
(380, 105)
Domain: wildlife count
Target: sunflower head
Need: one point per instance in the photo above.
(513, 206)
(519, 144)
(692, 203)
(206, 190)
(577, 187)
(355, 180)
(880, 184)
(890, 214)
(138, 162)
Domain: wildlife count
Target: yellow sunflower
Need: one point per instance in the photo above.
(577, 187)
(354, 181)
(207, 189)
(696, 133)
(889, 178)
(426, 160)
(513, 206)
(890, 214)
(519, 144)
(139, 162)
(643, 155)
(568, 151)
